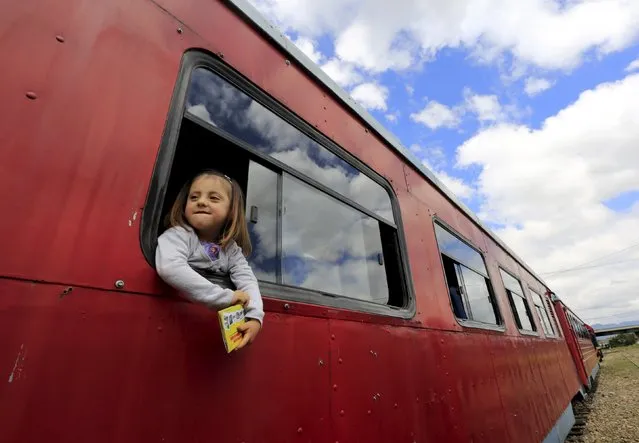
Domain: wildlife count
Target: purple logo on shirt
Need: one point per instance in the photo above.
(212, 250)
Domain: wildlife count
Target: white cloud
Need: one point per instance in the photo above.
(541, 33)
(436, 115)
(372, 49)
(633, 66)
(410, 90)
(434, 159)
(548, 187)
(456, 185)
(371, 95)
(392, 116)
(534, 86)
(486, 107)
(307, 46)
(342, 73)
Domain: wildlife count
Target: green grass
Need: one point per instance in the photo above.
(617, 361)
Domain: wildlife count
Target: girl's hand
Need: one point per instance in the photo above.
(248, 330)
(240, 297)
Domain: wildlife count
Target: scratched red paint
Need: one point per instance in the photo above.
(141, 365)
(18, 365)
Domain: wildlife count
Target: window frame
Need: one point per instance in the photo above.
(193, 59)
(579, 327)
(553, 316)
(545, 306)
(535, 331)
(468, 323)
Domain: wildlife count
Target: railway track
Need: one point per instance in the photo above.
(582, 410)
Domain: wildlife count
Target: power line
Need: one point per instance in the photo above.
(634, 245)
(592, 267)
(581, 266)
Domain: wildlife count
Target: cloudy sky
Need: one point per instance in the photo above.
(528, 110)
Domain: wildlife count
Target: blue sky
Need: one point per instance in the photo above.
(524, 109)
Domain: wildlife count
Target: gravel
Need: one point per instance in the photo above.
(614, 407)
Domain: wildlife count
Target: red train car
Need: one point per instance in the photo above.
(393, 315)
(581, 342)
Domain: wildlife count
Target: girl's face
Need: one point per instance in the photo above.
(208, 205)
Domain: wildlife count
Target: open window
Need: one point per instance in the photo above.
(518, 302)
(467, 278)
(322, 225)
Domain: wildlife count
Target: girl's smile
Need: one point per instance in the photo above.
(208, 204)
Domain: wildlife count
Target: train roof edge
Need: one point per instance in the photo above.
(254, 16)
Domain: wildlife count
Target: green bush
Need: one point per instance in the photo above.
(623, 340)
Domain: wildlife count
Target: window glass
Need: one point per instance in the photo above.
(479, 297)
(330, 247)
(467, 278)
(553, 319)
(459, 251)
(521, 310)
(221, 104)
(575, 324)
(543, 315)
(522, 313)
(261, 204)
(542, 319)
(512, 284)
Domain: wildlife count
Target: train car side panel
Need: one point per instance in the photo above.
(589, 354)
(103, 367)
(83, 151)
(571, 341)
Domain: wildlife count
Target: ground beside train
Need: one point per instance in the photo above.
(613, 416)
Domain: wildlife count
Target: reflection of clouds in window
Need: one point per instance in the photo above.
(541, 312)
(215, 100)
(511, 283)
(201, 112)
(367, 191)
(520, 306)
(277, 134)
(350, 279)
(478, 296)
(330, 247)
(458, 250)
(262, 193)
(516, 294)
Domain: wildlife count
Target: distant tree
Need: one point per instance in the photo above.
(623, 340)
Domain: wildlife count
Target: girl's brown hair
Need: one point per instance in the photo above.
(235, 227)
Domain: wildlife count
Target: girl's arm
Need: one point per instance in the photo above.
(171, 263)
(244, 279)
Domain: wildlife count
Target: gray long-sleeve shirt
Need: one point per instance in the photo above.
(179, 251)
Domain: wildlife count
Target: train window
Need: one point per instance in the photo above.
(577, 326)
(262, 214)
(542, 314)
(219, 103)
(573, 324)
(519, 304)
(468, 282)
(553, 318)
(329, 246)
(321, 223)
(582, 330)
